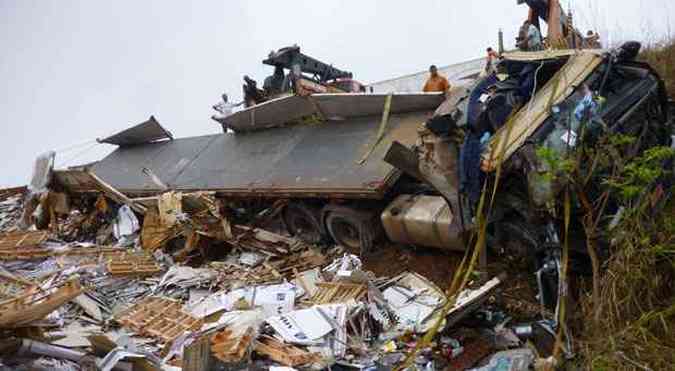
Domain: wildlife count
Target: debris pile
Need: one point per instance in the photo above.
(179, 285)
(252, 266)
(11, 200)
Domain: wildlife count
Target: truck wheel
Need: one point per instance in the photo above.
(301, 221)
(351, 229)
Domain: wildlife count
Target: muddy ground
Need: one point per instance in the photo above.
(518, 294)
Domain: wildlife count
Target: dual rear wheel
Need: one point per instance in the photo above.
(355, 230)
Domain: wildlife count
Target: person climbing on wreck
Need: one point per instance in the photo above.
(224, 108)
(491, 60)
(534, 42)
(592, 40)
(529, 37)
(436, 81)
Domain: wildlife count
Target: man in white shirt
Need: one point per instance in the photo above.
(224, 108)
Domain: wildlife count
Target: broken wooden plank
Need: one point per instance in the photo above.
(154, 234)
(230, 348)
(285, 354)
(132, 265)
(197, 356)
(89, 306)
(338, 292)
(470, 299)
(41, 253)
(34, 306)
(17, 240)
(116, 195)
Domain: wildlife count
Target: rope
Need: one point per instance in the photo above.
(380, 132)
(78, 154)
(89, 143)
(562, 282)
(70, 148)
(534, 90)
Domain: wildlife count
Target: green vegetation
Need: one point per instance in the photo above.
(628, 320)
(661, 56)
(627, 315)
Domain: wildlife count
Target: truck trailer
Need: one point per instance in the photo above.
(329, 155)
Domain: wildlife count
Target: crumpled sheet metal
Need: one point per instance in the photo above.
(145, 132)
(280, 111)
(414, 301)
(184, 276)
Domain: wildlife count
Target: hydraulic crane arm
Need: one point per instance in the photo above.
(292, 59)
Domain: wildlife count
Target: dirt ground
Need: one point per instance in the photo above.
(436, 265)
(518, 292)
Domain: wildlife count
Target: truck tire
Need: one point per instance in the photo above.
(302, 222)
(352, 229)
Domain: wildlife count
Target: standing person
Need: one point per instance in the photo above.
(224, 108)
(521, 40)
(491, 60)
(273, 85)
(436, 82)
(592, 40)
(533, 38)
(252, 95)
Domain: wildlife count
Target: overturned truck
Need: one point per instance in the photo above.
(351, 166)
(323, 153)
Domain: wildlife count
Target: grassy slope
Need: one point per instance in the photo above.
(636, 325)
(662, 57)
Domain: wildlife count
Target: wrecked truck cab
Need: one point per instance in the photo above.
(591, 94)
(539, 106)
(536, 103)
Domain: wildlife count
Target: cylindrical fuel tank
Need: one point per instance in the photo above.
(422, 220)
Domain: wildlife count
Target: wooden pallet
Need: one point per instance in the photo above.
(159, 318)
(271, 270)
(17, 240)
(132, 265)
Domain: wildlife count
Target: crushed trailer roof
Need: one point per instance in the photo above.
(145, 132)
(280, 111)
(297, 160)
